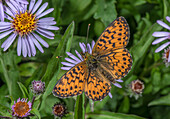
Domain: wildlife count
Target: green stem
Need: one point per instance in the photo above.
(5, 72)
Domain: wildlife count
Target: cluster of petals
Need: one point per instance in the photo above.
(28, 42)
(162, 35)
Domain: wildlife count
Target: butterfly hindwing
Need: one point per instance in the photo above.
(72, 82)
(115, 36)
(96, 88)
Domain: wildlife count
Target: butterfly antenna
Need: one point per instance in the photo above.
(87, 33)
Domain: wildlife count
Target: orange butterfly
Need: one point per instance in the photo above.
(108, 62)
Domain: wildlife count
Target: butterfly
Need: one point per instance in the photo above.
(109, 61)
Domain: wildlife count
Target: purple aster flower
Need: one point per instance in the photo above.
(38, 87)
(21, 108)
(73, 60)
(162, 35)
(25, 24)
(14, 2)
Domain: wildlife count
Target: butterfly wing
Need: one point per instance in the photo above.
(96, 88)
(115, 36)
(117, 63)
(72, 82)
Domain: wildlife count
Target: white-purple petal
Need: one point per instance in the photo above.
(46, 23)
(31, 5)
(48, 27)
(44, 34)
(163, 24)
(8, 11)
(42, 8)
(66, 68)
(67, 64)
(89, 48)
(7, 45)
(117, 85)
(78, 54)
(2, 35)
(6, 29)
(45, 44)
(70, 60)
(110, 95)
(159, 40)
(19, 46)
(82, 47)
(5, 24)
(7, 40)
(8, 17)
(28, 47)
(92, 44)
(24, 47)
(45, 31)
(47, 19)
(32, 47)
(169, 58)
(168, 18)
(73, 57)
(162, 47)
(1, 11)
(14, 10)
(119, 80)
(36, 6)
(160, 34)
(45, 13)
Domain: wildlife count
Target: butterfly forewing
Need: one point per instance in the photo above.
(72, 82)
(115, 36)
(117, 62)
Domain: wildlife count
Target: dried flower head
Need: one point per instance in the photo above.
(166, 56)
(21, 108)
(137, 86)
(38, 87)
(59, 110)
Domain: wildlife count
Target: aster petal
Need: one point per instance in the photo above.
(45, 13)
(163, 24)
(168, 18)
(18, 100)
(117, 85)
(48, 27)
(14, 10)
(45, 44)
(28, 47)
(110, 95)
(42, 8)
(31, 5)
(1, 11)
(32, 47)
(82, 47)
(45, 31)
(162, 47)
(67, 64)
(8, 17)
(160, 34)
(92, 44)
(7, 45)
(37, 44)
(6, 29)
(46, 19)
(70, 60)
(66, 68)
(47, 23)
(89, 48)
(7, 40)
(17, 5)
(44, 34)
(36, 6)
(19, 46)
(159, 40)
(23, 1)
(24, 47)
(72, 56)
(119, 80)
(8, 11)
(5, 24)
(2, 35)
(78, 54)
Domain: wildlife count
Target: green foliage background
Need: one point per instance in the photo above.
(73, 17)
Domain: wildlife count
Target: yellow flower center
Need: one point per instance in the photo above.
(21, 108)
(24, 23)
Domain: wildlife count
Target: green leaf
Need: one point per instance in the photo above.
(165, 100)
(79, 111)
(111, 115)
(36, 112)
(23, 89)
(125, 105)
(106, 11)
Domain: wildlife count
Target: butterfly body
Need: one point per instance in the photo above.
(108, 62)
